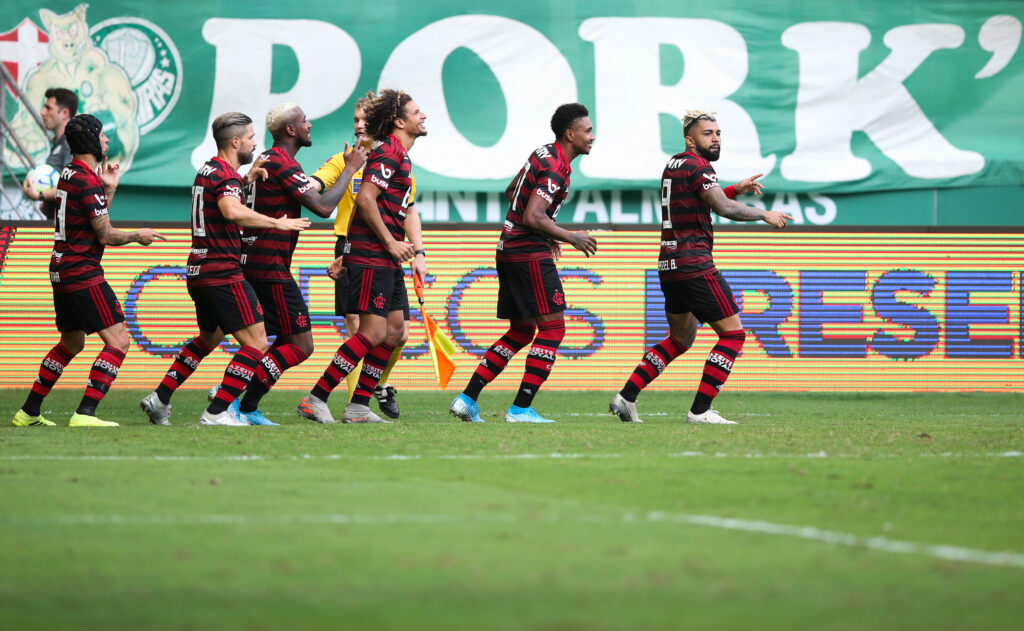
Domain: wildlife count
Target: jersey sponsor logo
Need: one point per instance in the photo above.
(54, 277)
(712, 183)
(721, 360)
(666, 224)
(200, 252)
(669, 244)
(664, 266)
(357, 182)
(305, 187)
(656, 361)
(192, 270)
(386, 172)
(552, 187)
(509, 225)
(381, 183)
(234, 191)
(543, 195)
(58, 255)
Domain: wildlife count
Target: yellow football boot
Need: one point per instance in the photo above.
(21, 419)
(82, 420)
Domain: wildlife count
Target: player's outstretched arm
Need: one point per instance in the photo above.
(749, 186)
(109, 235)
(323, 204)
(366, 204)
(715, 199)
(535, 217)
(237, 212)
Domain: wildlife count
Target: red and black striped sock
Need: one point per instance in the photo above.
(538, 363)
(655, 360)
(184, 365)
(344, 362)
(237, 376)
(50, 371)
(374, 365)
(717, 368)
(104, 371)
(277, 360)
(498, 356)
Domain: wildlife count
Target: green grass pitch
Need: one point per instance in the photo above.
(817, 512)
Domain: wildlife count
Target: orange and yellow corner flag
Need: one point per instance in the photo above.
(440, 345)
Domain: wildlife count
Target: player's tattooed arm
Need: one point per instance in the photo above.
(716, 200)
(109, 235)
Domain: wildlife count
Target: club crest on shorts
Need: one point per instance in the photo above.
(558, 298)
(378, 302)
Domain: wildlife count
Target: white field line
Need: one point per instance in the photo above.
(816, 455)
(808, 533)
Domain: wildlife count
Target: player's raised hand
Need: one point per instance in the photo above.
(401, 251)
(749, 185)
(148, 235)
(582, 241)
(355, 157)
(256, 171)
(293, 223)
(775, 218)
(110, 175)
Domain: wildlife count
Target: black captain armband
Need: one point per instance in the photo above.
(420, 251)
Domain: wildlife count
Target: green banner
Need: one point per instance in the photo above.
(824, 98)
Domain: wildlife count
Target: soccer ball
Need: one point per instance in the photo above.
(43, 177)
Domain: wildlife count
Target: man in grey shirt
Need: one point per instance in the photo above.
(61, 104)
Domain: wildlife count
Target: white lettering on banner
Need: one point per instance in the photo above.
(521, 59)
(626, 63)
(832, 103)
(1000, 35)
(590, 203)
(242, 75)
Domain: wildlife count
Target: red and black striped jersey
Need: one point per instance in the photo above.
(687, 235)
(75, 262)
(267, 252)
(389, 169)
(216, 241)
(545, 174)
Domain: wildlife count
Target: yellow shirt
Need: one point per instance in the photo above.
(329, 173)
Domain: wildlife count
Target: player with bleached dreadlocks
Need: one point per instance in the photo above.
(373, 257)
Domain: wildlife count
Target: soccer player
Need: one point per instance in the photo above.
(374, 255)
(325, 176)
(530, 292)
(225, 302)
(267, 252)
(60, 105)
(83, 301)
(695, 291)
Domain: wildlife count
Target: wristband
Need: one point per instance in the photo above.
(730, 192)
(420, 251)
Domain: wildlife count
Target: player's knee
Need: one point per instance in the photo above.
(553, 330)
(736, 337)
(73, 347)
(305, 345)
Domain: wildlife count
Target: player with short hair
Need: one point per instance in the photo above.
(326, 175)
(267, 252)
(83, 301)
(225, 302)
(695, 291)
(60, 105)
(374, 255)
(530, 294)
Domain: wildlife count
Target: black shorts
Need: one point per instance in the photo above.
(230, 307)
(284, 308)
(91, 309)
(377, 290)
(708, 297)
(529, 289)
(340, 285)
